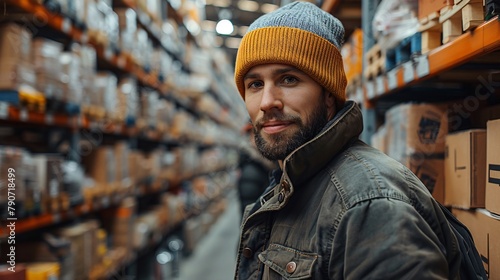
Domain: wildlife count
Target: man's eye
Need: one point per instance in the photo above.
(255, 84)
(289, 80)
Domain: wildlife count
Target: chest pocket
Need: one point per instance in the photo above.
(286, 263)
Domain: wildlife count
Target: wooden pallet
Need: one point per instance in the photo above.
(375, 62)
(431, 30)
(450, 22)
(461, 17)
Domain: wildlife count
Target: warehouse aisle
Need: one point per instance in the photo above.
(215, 256)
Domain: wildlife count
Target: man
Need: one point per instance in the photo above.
(337, 208)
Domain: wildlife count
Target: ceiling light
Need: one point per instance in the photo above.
(267, 8)
(247, 5)
(224, 27)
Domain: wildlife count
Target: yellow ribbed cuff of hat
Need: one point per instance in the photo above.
(306, 51)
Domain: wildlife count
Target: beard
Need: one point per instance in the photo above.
(280, 145)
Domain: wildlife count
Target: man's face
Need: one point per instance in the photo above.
(287, 108)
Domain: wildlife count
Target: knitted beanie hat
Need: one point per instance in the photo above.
(299, 34)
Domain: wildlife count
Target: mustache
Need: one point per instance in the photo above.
(276, 117)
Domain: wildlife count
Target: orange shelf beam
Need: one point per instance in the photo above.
(23, 115)
(462, 49)
(40, 221)
(53, 20)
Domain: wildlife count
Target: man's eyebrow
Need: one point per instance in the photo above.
(251, 76)
(278, 71)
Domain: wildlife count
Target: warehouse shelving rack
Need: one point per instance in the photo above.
(14, 115)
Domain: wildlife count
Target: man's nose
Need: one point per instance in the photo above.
(271, 98)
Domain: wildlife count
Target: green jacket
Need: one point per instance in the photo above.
(344, 210)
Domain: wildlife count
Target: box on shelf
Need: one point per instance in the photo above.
(15, 42)
(465, 169)
(493, 166)
(430, 170)
(485, 229)
(16, 65)
(416, 129)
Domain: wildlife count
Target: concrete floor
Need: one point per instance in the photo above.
(214, 257)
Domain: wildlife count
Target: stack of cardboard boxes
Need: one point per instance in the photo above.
(473, 188)
(460, 168)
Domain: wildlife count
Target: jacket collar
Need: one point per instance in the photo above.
(313, 155)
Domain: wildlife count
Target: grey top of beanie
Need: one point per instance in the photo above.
(305, 16)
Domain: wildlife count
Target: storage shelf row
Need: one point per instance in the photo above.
(120, 61)
(482, 41)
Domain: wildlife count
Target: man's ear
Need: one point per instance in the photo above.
(331, 104)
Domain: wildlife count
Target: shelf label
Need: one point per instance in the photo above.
(49, 118)
(66, 25)
(408, 72)
(23, 115)
(392, 80)
(370, 91)
(422, 67)
(380, 88)
(4, 110)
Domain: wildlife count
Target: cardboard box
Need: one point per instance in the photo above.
(427, 7)
(15, 42)
(465, 169)
(14, 74)
(430, 170)
(416, 129)
(493, 166)
(485, 229)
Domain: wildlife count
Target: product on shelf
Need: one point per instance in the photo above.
(82, 237)
(46, 54)
(465, 169)
(119, 223)
(16, 66)
(42, 271)
(50, 181)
